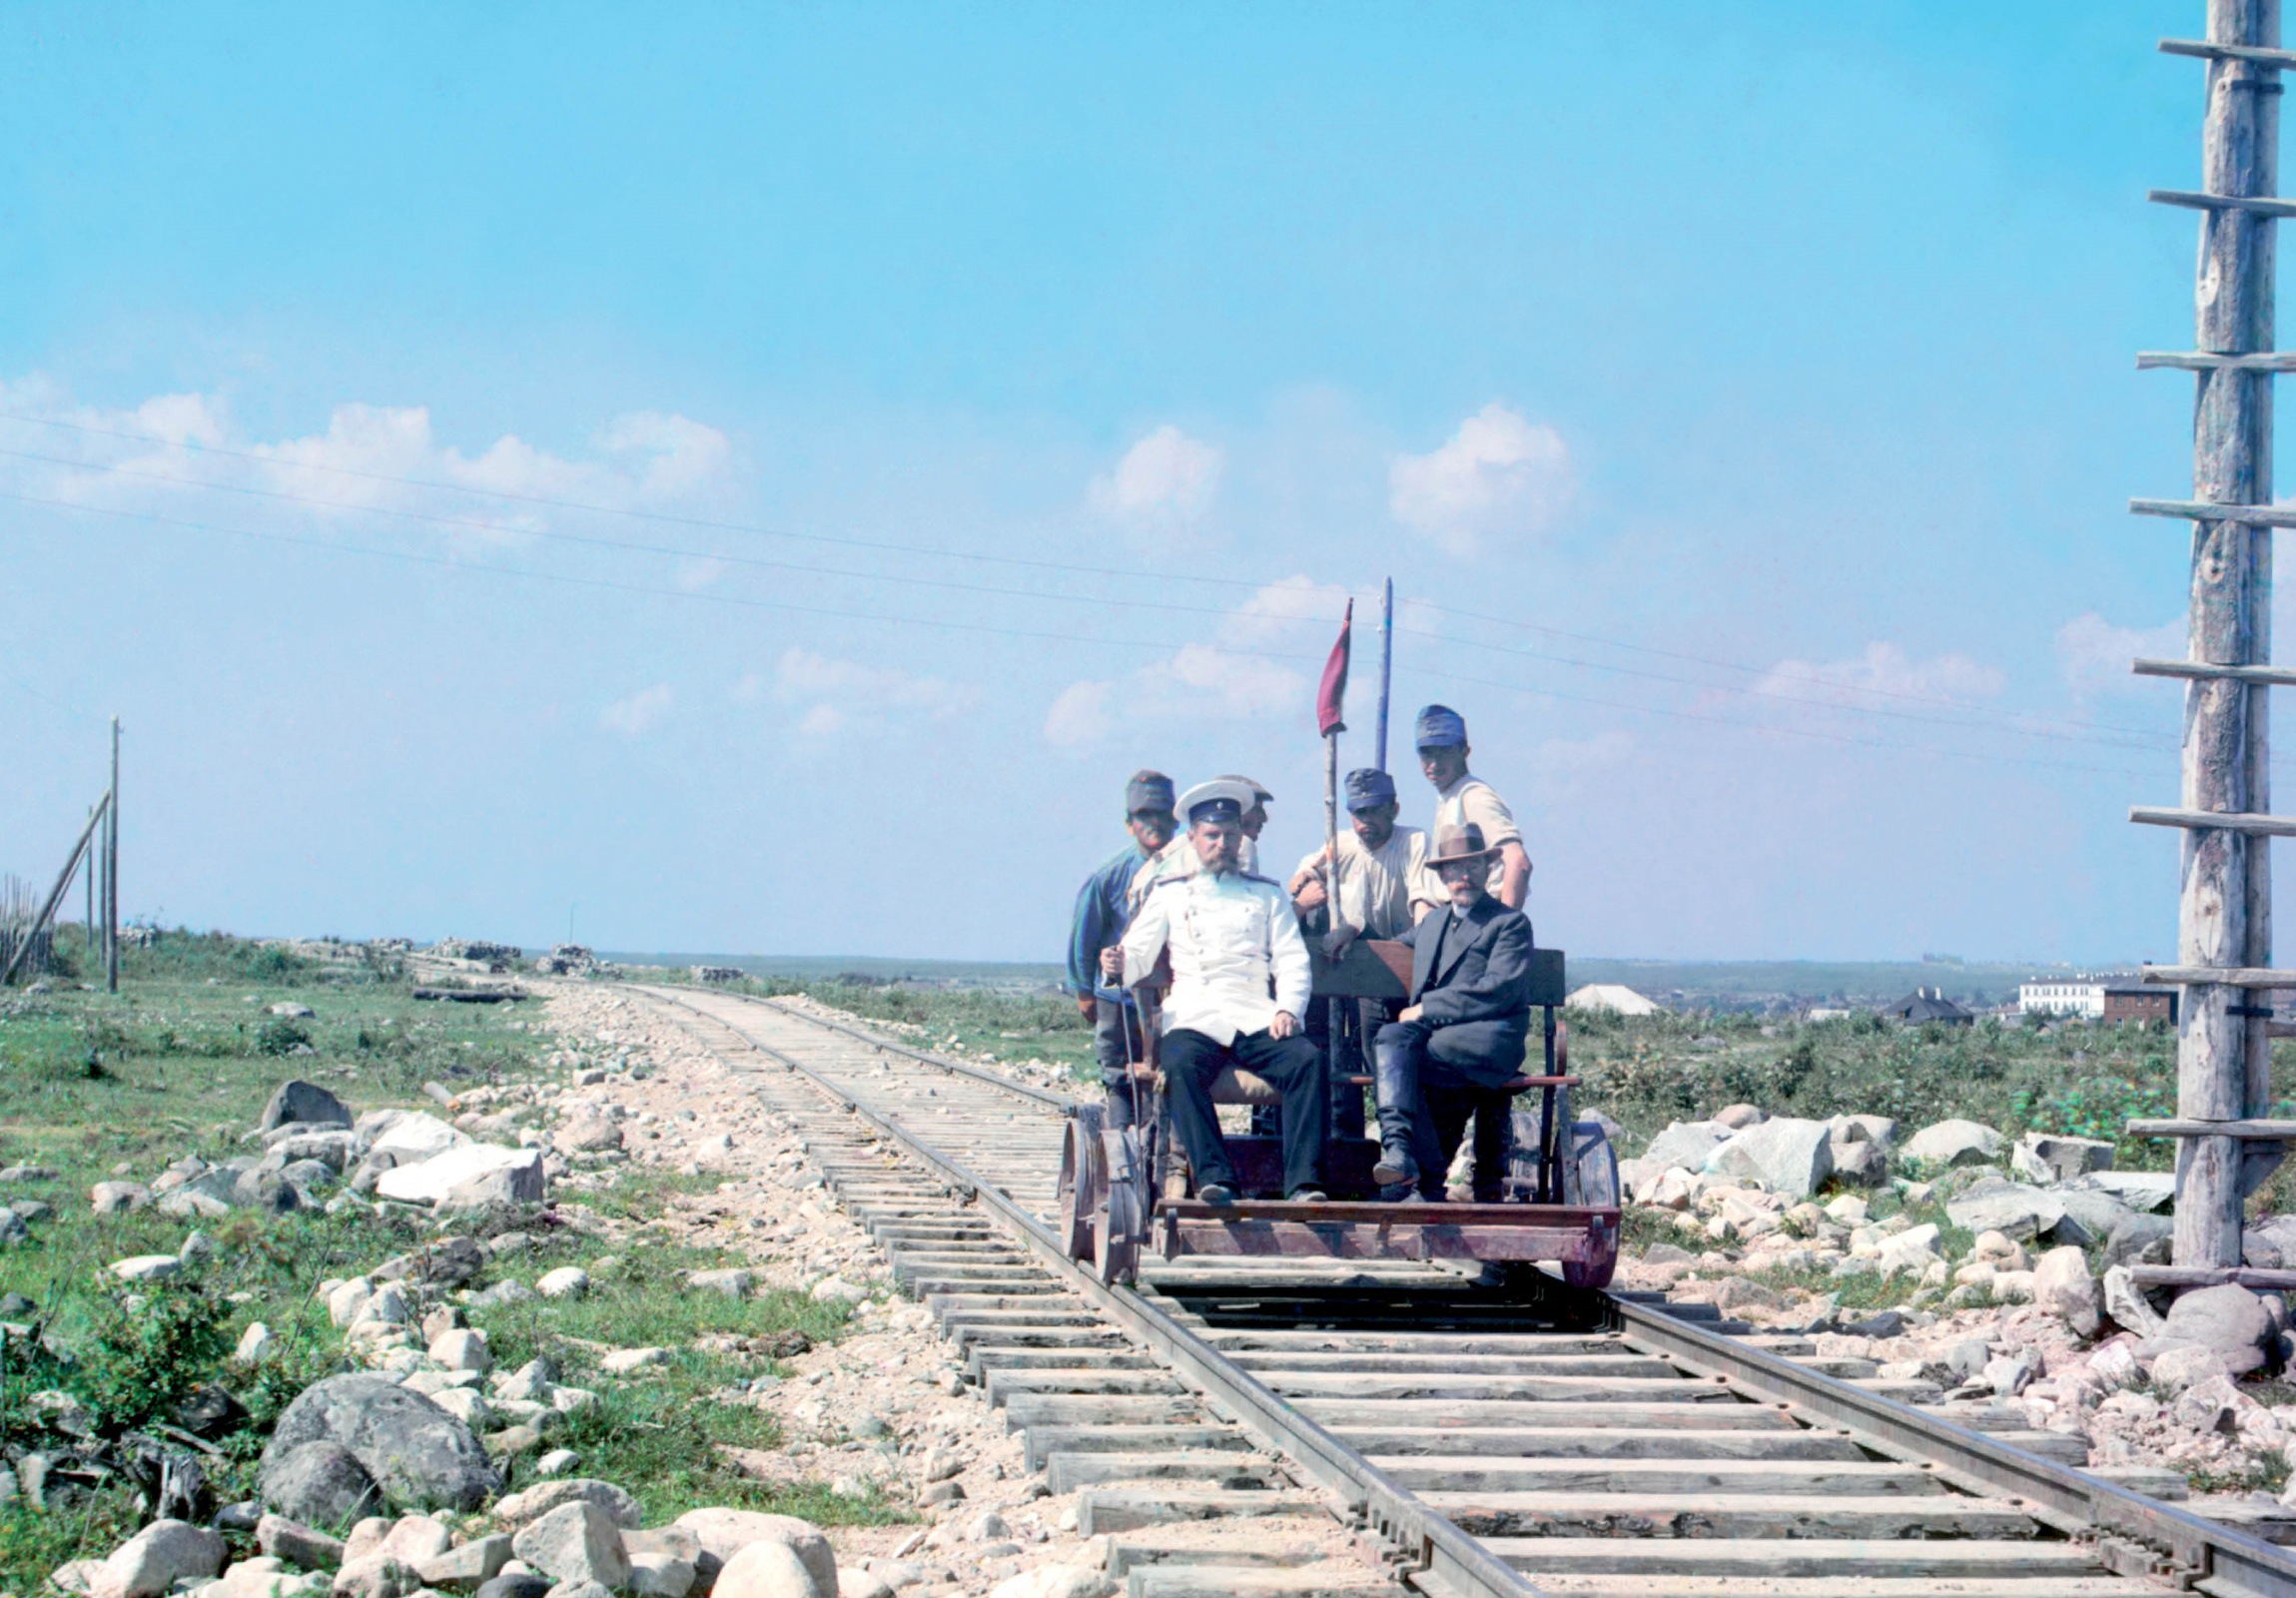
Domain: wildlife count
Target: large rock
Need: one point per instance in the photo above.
(1863, 1129)
(1058, 1581)
(156, 1558)
(469, 1567)
(319, 1483)
(2008, 1208)
(724, 1533)
(2270, 1244)
(2061, 1157)
(1861, 1164)
(1784, 1155)
(119, 1197)
(298, 1544)
(587, 1132)
(1686, 1143)
(419, 1454)
(430, 1181)
(536, 1502)
(2063, 1287)
(416, 1137)
(305, 1102)
(2230, 1320)
(2127, 1304)
(2139, 1240)
(2139, 1189)
(770, 1570)
(575, 1543)
(1955, 1143)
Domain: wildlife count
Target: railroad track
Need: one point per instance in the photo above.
(1476, 1439)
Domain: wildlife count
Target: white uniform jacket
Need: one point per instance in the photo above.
(1232, 939)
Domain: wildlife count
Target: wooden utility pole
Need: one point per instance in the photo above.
(111, 872)
(2224, 912)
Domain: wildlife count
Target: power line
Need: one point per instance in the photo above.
(413, 557)
(2153, 741)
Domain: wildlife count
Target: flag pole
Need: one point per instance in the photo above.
(1386, 661)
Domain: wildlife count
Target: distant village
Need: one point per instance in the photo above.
(2108, 997)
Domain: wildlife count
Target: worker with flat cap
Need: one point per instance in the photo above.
(1386, 888)
(1102, 913)
(1464, 1034)
(1463, 799)
(1240, 986)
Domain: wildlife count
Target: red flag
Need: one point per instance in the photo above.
(1331, 699)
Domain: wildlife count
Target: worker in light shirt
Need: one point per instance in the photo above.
(1464, 800)
(1240, 986)
(1385, 886)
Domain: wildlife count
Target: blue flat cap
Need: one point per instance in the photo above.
(1369, 788)
(1439, 727)
(1147, 790)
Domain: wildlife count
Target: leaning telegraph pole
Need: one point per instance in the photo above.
(2224, 910)
(111, 872)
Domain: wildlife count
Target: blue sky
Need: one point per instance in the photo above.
(760, 477)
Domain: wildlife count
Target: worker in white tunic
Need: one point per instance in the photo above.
(1240, 986)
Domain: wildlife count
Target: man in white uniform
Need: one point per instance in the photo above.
(1464, 800)
(1240, 986)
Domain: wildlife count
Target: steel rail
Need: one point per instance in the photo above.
(2134, 1535)
(1043, 1095)
(1451, 1563)
(2217, 1558)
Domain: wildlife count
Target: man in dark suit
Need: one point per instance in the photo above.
(1464, 1033)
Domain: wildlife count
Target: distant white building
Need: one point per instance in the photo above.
(2064, 996)
(1612, 997)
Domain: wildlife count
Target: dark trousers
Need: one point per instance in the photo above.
(1193, 1062)
(1359, 1023)
(1425, 1105)
(1115, 1026)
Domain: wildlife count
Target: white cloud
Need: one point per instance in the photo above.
(1229, 678)
(177, 451)
(640, 712)
(838, 694)
(1568, 757)
(1165, 479)
(1885, 670)
(1498, 477)
(2096, 653)
(1080, 716)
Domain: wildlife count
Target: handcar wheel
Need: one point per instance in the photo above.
(1084, 1178)
(1119, 1219)
(1594, 1168)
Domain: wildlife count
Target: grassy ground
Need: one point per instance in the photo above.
(181, 1060)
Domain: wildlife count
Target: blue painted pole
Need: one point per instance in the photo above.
(1386, 659)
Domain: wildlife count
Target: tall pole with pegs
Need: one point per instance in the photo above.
(111, 872)
(2224, 913)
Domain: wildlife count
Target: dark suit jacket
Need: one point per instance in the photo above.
(1475, 989)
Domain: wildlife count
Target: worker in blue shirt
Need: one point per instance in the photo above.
(1100, 918)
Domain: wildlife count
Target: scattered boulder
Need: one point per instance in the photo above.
(770, 1570)
(430, 1180)
(1955, 1143)
(537, 1501)
(119, 1197)
(319, 1482)
(416, 1452)
(2010, 1207)
(1739, 1116)
(147, 1268)
(2179, 1368)
(378, 1576)
(157, 1557)
(1058, 1581)
(2270, 1244)
(2229, 1321)
(727, 1532)
(575, 1543)
(589, 1132)
(1861, 1164)
(734, 1283)
(2063, 1286)
(297, 1543)
(413, 1137)
(568, 1282)
(1686, 1143)
(469, 1567)
(305, 1102)
(2139, 1240)
(2056, 1157)
(1784, 1155)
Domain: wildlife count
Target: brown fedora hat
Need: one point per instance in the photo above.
(1460, 843)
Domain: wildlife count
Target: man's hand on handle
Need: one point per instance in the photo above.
(1410, 1012)
(1285, 1025)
